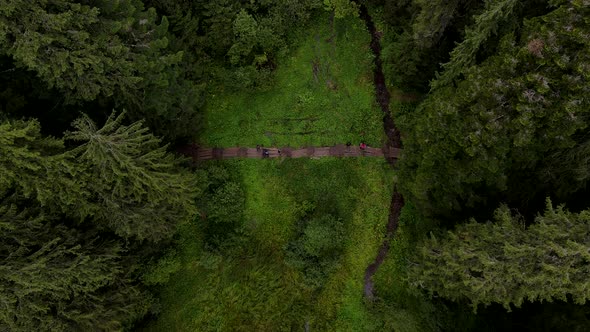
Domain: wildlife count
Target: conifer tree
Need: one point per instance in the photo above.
(83, 49)
(487, 23)
(61, 266)
(55, 278)
(136, 187)
(114, 50)
(509, 115)
(118, 177)
(36, 168)
(432, 20)
(504, 262)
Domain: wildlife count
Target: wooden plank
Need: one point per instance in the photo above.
(287, 152)
(230, 152)
(217, 153)
(243, 152)
(299, 153)
(339, 150)
(253, 153)
(322, 151)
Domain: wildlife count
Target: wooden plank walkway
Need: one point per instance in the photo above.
(202, 153)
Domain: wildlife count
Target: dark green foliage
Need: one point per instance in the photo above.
(342, 8)
(136, 187)
(87, 50)
(463, 56)
(237, 43)
(438, 41)
(422, 33)
(505, 263)
(400, 306)
(103, 50)
(56, 278)
(62, 268)
(38, 168)
(227, 203)
(250, 37)
(119, 176)
(221, 203)
(464, 144)
(433, 19)
(316, 250)
(223, 199)
(568, 170)
(84, 219)
(159, 273)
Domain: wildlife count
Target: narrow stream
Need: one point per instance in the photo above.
(393, 139)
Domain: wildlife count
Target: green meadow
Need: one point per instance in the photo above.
(322, 94)
(246, 283)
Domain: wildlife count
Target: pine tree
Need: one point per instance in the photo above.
(464, 145)
(136, 187)
(55, 278)
(113, 50)
(486, 24)
(36, 168)
(504, 262)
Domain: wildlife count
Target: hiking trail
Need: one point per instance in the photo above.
(340, 150)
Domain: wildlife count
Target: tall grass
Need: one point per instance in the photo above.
(247, 285)
(322, 94)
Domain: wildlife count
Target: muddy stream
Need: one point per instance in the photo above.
(393, 140)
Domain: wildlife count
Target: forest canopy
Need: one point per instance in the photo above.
(105, 226)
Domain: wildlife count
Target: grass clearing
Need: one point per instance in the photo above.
(322, 95)
(248, 286)
(405, 308)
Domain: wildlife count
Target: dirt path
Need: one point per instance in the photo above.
(340, 150)
(394, 142)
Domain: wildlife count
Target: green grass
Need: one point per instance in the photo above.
(248, 287)
(403, 308)
(334, 106)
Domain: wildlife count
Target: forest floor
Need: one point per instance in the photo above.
(323, 94)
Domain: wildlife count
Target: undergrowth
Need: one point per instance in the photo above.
(321, 94)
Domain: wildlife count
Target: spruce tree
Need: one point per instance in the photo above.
(36, 168)
(83, 49)
(118, 176)
(135, 186)
(432, 20)
(56, 278)
(109, 50)
(464, 145)
(61, 266)
(486, 24)
(505, 262)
